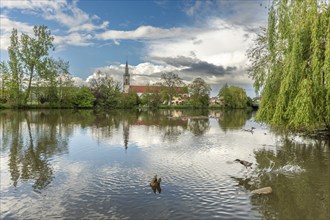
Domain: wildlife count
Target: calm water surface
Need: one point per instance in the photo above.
(83, 164)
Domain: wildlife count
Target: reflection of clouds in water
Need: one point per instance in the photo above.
(5, 182)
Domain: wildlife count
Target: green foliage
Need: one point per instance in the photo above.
(83, 98)
(30, 67)
(234, 97)
(170, 83)
(199, 92)
(106, 90)
(152, 100)
(128, 100)
(290, 65)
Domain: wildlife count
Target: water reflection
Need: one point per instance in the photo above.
(33, 138)
(299, 175)
(234, 119)
(98, 164)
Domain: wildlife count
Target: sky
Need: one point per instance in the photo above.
(191, 38)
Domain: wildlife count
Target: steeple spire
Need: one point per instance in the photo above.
(126, 69)
(126, 79)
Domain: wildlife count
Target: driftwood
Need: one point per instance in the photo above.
(264, 191)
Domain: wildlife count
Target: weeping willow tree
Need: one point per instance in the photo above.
(290, 65)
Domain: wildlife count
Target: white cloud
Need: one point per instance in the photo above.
(191, 9)
(63, 12)
(74, 39)
(6, 28)
(78, 22)
(77, 81)
(144, 33)
(141, 74)
(219, 43)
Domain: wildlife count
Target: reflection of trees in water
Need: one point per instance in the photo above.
(198, 126)
(33, 137)
(163, 121)
(299, 195)
(234, 119)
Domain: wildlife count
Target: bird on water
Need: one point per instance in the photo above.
(155, 184)
(244, 162)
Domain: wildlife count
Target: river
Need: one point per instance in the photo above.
(76, 164)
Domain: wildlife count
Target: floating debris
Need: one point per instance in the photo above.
(263, 191)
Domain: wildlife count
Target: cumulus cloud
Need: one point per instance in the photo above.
(6, 28)
(142, 74)
(78, 23)
(194, 66)
(145, 33)
(248, 14)
(218, 43)
(67, 14)
(75, 39)
(188, 69)
(77, 81)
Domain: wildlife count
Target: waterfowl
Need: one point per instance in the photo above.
(155, 184)
(244, 162)
(249, 130)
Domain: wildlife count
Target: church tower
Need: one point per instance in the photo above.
(126, 79)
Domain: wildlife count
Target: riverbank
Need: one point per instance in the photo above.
(320, 134)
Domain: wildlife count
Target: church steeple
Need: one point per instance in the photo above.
(126, 69)
(126, 79)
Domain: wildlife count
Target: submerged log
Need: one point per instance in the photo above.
(264, 191)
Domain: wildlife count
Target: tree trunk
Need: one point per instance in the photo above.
(28, 91)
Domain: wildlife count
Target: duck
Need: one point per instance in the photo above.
(244, 162)
(249, 130)
(155, 184)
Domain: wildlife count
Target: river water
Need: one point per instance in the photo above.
(98, 165)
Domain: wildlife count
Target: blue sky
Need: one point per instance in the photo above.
(205, 39)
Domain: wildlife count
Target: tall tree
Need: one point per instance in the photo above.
(290, 64)
(29, 63)
(33, 53)
(4, 77)
(15, 67)
(199, 92)
(170, 83)
(105, 89)
(234, 97)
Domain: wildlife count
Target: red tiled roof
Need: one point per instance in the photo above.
(142, 89)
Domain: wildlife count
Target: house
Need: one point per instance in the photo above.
(216, 100)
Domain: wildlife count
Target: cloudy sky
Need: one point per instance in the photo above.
(205, 39)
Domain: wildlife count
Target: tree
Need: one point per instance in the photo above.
(4, 97)
(233, 96)
(199, 92)
(105, 89)
(15, 83)
(170, 83)
(152, 100)
(290, 64)
(128, 100)
(33, 52)
(30, 64)
(84, 98)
